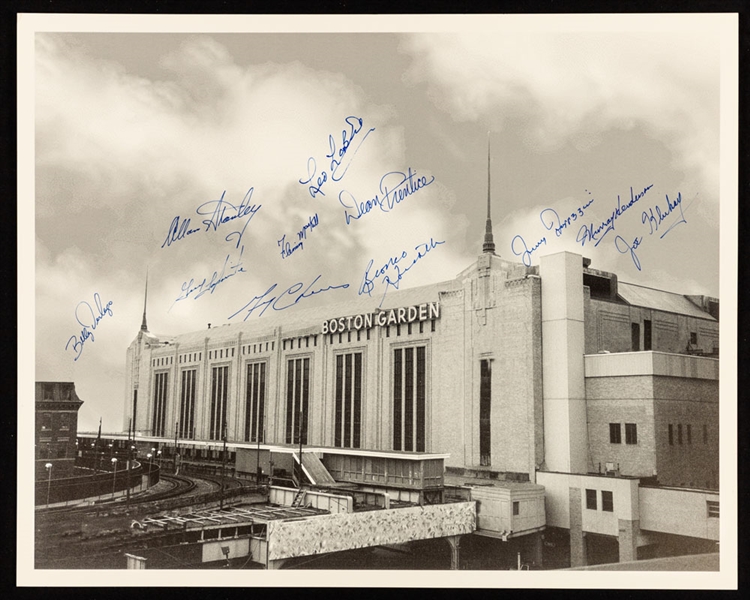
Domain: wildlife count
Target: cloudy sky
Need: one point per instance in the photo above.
(137, 133)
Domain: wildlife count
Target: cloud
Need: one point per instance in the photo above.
(667, 263)
(573, 88)
(119, 156)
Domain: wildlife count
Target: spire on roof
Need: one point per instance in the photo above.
(144, 326)
(489, 243)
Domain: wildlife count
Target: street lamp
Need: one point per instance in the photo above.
(114, 475)
(148, 456)
(127, 481)
(158, 455)
(48, 466)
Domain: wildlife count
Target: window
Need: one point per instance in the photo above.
(646, 334)
(705, 434)
(679, 433)
(615, 435)
(607, 501)
(48, 390)
(591, 499)
(159, 415)
(219, 390)
(693, 337)
(297, 398)
(635, 335)
(187, 404)
(712, 508)
(516, 508)
(255, 400)
(631, 433)
(689, 433)
(485, 406)
(348, 400)
(671, 435)
(46, 421)
(409, 398)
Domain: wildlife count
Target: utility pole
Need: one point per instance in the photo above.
(127, 481)
(223, 465)
(96, 447)
(299, 481)
(176, 448)
(261, 427)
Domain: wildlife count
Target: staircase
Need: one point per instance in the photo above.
(297, 502)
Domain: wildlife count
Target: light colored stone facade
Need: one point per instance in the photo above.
(337, 532)
(544, 411)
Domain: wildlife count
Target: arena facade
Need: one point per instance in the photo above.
(559, 375)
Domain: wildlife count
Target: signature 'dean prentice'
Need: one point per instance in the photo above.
(88, 318)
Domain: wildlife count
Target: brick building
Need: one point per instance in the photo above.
(57, 407)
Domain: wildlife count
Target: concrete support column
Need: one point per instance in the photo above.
(577, 543)
(273, 565)
(454, 541)
(536, 549)
(628, 538)
(565, 427)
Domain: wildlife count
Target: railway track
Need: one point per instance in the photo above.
(229, 482)
(179, 486)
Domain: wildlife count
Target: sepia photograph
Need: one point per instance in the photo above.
(431, 295)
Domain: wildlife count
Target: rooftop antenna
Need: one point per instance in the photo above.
(489, 243)
(144, 326)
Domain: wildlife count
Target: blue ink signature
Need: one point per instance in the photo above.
(526, 252)
(654, 221)
(402, 185)
(88, 320)
(623, 247)
(550, 218)
(220, 212)
(311, 224)
(589, 233)
(208, 286)
(336, 156)
(178, 230)
(286, 247)
(393, 267)
(265, 300)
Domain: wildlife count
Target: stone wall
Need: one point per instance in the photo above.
(670, 332)
(621, 400)
(681, 401)
(334, 533)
